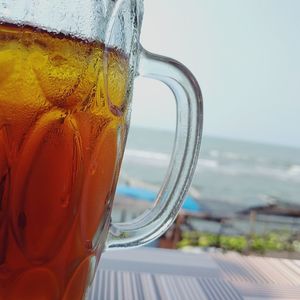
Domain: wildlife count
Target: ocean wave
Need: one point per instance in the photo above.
(162, 160)
(207, 163)
(214, 153)
(236, 157)
(228, 155)
(278, 173)
(294, 170)
(146, 157)
(292, 174)
(133, 153)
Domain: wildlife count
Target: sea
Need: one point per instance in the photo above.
(230, 174)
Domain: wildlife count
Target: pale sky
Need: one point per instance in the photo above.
(246, 57)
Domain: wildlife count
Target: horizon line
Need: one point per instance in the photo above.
(265, 143)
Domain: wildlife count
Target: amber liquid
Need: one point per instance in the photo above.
(62, 129)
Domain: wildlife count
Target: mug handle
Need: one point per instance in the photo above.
(189, 104)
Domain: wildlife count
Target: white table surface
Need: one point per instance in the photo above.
(156, 274)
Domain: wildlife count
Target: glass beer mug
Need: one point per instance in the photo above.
(66, 80)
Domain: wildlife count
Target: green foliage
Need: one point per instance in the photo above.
(296, 245)
(233, 243)
(273, 241)
(257, 244)
(190, 237)
(208, 240)
(184, 243)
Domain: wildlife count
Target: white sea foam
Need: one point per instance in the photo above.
(228, 155)
(294, 170)
(254, 171)
(208, 163)
(146, 157)
(278, 173)
(232, 156)
(162, 160)
(134, 153)
(214, 153)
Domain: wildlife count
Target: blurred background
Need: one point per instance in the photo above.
(245, 194)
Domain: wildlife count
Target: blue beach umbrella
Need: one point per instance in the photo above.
(149, 196)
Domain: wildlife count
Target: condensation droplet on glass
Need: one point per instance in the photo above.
(22, 220)
(108, 199)
(88, 244)
(4, 9)
(65, 200)
(93, 168)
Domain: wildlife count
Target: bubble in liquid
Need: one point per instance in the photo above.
(65, 200)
